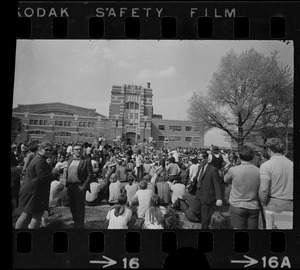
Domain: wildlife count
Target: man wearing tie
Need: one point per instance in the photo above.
(208, 189)
(79, 173)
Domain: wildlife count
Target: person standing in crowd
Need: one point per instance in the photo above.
(155, 214)
(35, 189)
(129, 153)
(276, 178)
(120, 215)
(208, 190)
(244, 209)
(15, 177)
(79, 175)
(139, 164)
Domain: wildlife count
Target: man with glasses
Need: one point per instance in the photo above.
(208, 191)
(79, 174)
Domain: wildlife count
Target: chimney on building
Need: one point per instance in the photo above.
(148, 85)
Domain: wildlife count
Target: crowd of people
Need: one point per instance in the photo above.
(146, 188)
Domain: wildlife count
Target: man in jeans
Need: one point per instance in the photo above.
(79, 174)
(244, 207)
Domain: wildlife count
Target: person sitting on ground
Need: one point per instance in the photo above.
(93, 198)
(114, 189)
(172, 169)
(132, 187)
(163, 189)
(142, 197)
(219, 220)
(177, 189)
(150, 184)
(155, 214)
(120, 215)
(184, 174)
(171, 220)
(189, 206)
(121, 170)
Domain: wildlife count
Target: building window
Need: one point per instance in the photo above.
(196, 139)
(175, 128)
(136, 116)
(174, 138)
(31, 122)
(145, 126)
(89, 124)
(131, 115)
(117, 123)
(148, 125)
(161, 127)
(80, 124)
(41, 122)
(61, 123)
(188, 128)
(84, 124)
(132, 106)
(45, 122)
(35, 122)
(188, 139)
(161, 138)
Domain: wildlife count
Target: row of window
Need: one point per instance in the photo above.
(61, 123)
(61, 133)
(87, 124)
(178, 139)
(40, 122)
(176, 128)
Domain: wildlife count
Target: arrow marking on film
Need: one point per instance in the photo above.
(248, 262)
(107, 263)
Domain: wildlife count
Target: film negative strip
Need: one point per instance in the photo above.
(145, 22)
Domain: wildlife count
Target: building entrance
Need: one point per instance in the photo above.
(130, 138)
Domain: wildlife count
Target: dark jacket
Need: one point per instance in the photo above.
(35, 188)
(209, 189)
(84, 171)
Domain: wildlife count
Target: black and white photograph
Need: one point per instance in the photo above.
(152, 134)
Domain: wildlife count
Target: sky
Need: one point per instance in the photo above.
(82, 72)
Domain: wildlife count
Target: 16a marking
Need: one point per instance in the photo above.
(273, 262)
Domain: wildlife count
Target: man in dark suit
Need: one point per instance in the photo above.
(208, 189)
(79, 173)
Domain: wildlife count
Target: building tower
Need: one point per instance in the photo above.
(131, 107)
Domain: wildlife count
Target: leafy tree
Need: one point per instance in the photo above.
(247, 92)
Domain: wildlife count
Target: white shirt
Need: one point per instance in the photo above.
(55, 189)
(154, 225)
(178, 190)
(114, 191)
(143, 196)
(95, 188)
(119, 222)
(193, 170)
(278, 171)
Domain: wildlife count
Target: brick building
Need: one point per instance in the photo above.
(130, 119)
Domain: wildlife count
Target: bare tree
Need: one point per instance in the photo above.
(245, 89)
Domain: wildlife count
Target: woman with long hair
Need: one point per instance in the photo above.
(155, 214)
(119, 215)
